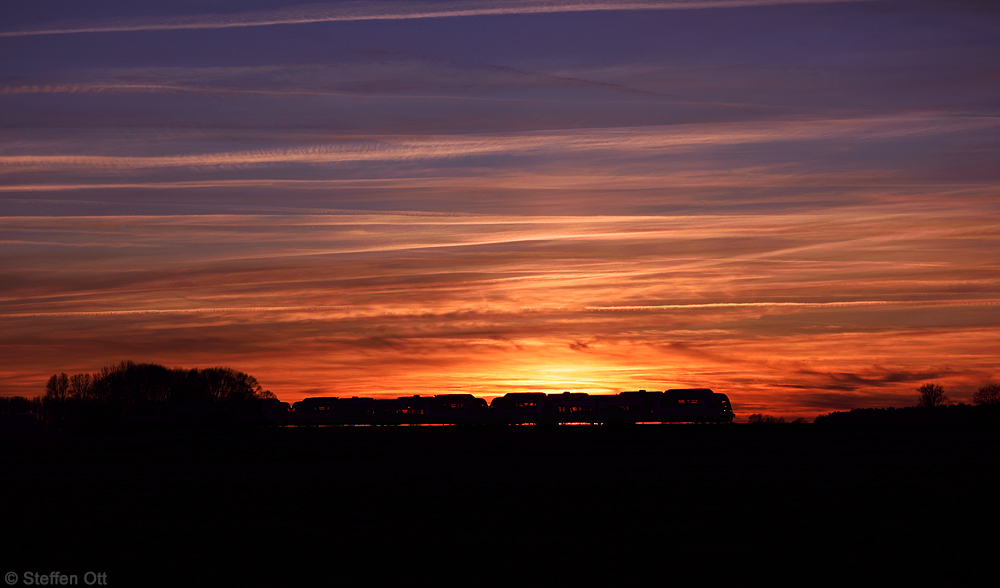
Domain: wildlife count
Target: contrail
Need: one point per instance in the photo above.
(970, 302)
(226, 310)
(440, 147)
(308, 309)
(366, 10)
(116, 88)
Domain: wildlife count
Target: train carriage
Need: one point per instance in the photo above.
(698, 405)
(316, 411)
(408, 410)
(570, 407)
(457, 409)
(624, 408)
(519, 408)
(442, 409)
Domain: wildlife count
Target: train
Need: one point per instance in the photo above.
(691, 405)
(694, 405)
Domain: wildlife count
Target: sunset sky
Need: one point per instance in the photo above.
(796, 203)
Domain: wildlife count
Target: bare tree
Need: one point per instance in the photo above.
(79, 385)
(988, 395)
(57, 387)
(931, 395)
(226, 384)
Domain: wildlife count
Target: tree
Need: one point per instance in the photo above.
(102, 399)
(130, 383)
(79, 385)
(988, 395)
(53, 407)
(931, 395)
(225, 384)
(57, 387)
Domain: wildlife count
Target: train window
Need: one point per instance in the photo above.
(577, 409)
(688, 402)
(322, 408)
(525, 405)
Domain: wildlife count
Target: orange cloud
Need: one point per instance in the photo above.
(789, 313)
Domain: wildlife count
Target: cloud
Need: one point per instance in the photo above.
(875, 378)
(635, 142)
(833, 401)
(801, 305)
(366, 10)
(768, 308)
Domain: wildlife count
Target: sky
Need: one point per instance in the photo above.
(795, 203)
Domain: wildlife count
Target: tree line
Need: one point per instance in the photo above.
(101, 399)
(932, 395)
(931, 407)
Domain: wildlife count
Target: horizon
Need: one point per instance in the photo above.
(791, 202)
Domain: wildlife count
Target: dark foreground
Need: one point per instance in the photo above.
(409, 505)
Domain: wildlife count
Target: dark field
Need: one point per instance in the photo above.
(324, 506)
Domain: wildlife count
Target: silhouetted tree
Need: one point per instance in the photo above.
(53, 408)
(931, 395)
(57, 387)
(131, 383)
(227, 385)
(101, 399)
(764, 419)
(988, 395)
(79, 385)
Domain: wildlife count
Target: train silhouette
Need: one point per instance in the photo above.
(699, 405)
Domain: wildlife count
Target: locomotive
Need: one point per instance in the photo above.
(697, 405)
